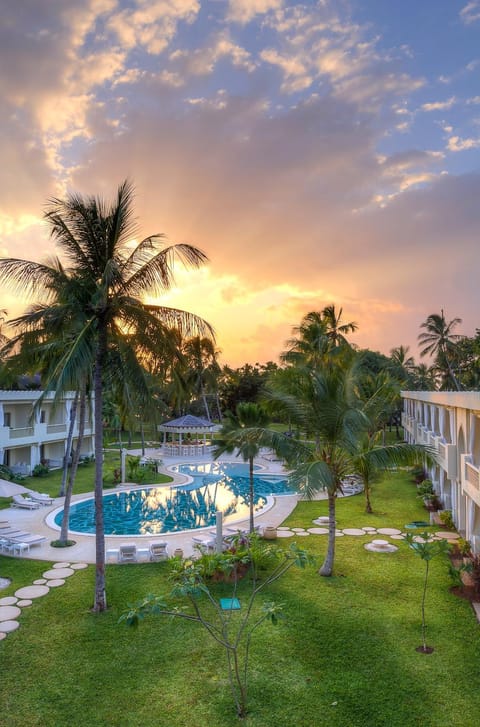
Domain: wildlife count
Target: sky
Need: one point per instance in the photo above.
(318, 152)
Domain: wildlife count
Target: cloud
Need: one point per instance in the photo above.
(439, 105)
(455, 143)
(470, 13)
(243, 11)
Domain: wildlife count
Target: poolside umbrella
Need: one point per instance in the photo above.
(9, 489)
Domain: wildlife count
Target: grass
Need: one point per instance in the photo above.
(345, 657)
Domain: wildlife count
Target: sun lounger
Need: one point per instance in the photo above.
(127, 553)
(204, 546)
(29, 539)
(41, 499)
(158, 551)
(13, 533)
(19, 501)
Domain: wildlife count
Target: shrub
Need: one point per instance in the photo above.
(40, 470)
(447, 519)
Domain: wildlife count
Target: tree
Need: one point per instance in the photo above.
(111, 275)
(232, 626)
(439, 341)
(243, 431)
(426, 549)
(335, 329)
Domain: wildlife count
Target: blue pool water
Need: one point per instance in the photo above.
(153, 510)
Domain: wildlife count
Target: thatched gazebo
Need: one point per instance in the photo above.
(188, 436)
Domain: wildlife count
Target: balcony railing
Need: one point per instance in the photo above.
(21, 432)
(56, 428)
(472, 475)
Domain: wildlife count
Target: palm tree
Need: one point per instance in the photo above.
(336, 330)
(243, 431)
(202, 369)
(439, 341)
(111, 275)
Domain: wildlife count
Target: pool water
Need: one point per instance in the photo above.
(153, 510)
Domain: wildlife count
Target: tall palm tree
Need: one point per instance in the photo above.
(112, 274)
(202, 368)
(439, 341)
(243, 431)
(336, 330)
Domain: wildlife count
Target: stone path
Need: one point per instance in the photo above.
(320, 529)
(11, 606)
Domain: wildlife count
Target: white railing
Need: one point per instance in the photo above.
(21, 432)
(472, 475)
(56, 428)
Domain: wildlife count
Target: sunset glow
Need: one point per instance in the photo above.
(318, 152)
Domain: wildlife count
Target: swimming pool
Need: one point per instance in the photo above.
(153, 510)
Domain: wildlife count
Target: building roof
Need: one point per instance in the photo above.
(187, 423)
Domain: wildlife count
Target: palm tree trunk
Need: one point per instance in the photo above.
(100, 600)
(68, 447)
(327, 567)
(73, 469)
(252, 524)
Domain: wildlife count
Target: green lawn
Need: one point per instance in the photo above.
(345, 657)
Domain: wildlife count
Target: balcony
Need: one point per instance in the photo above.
(56, 428)
(470, 478)
(447, 458)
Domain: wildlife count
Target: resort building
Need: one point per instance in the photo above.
(31, 436)
(449, 422)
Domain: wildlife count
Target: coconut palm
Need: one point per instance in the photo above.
(243, 431)
(336, 330)
(111, 274)
(439, 341)
(202, 367)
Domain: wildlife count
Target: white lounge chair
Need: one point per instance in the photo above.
(41, 498)
(127, 553)
(26, 502)
(28, 539)
(158, 551)
(204, 546)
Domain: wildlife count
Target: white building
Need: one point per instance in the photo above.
(449, 422)
(30, 436)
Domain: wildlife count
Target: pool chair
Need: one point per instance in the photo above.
(204, 546)
(26, 502)
(158, 551)
(127, 553)
(41, 499)
(28, 539)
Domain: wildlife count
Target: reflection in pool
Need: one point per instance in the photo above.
(153, 510)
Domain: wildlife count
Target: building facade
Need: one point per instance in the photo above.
(31, 435)
(449, 423)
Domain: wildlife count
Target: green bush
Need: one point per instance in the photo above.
(40, 470)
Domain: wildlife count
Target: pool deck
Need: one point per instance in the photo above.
(35, 521)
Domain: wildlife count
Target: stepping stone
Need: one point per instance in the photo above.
(32, 591)
(23, 604)
(4, 582)
(318, 531)
(79, 566)
(58, 573)
(389, 531)
(446, 535)
(321, 520)
(9, 626)
(338, 534)
(55, 582)
(61, 565)
(298, 530)
(353, 531)
(8, 601)
(369, 529)
(40, 582)
(401, 536)
(381, 547)
(2, 635)
(302, 533)
(8, 613)
(283, 527)
(285, 534)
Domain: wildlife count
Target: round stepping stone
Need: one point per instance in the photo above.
(381, 547)
(40, 582)
(321, 520)
(8, 613)
(302, 533)
(2, 635)
(32, 591)
(61, 565)
(80, 566)
(339, 534)
(8, 601)
(285, 534)
(353, 531)
(58, 573)
(283, 527)
(23, 604)
(298, 530)
(55, 582)
(446, 535)
(9, 626)
(389, 531)
(369, 529)
(4, 582)
(318, 531)
(401, 536)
